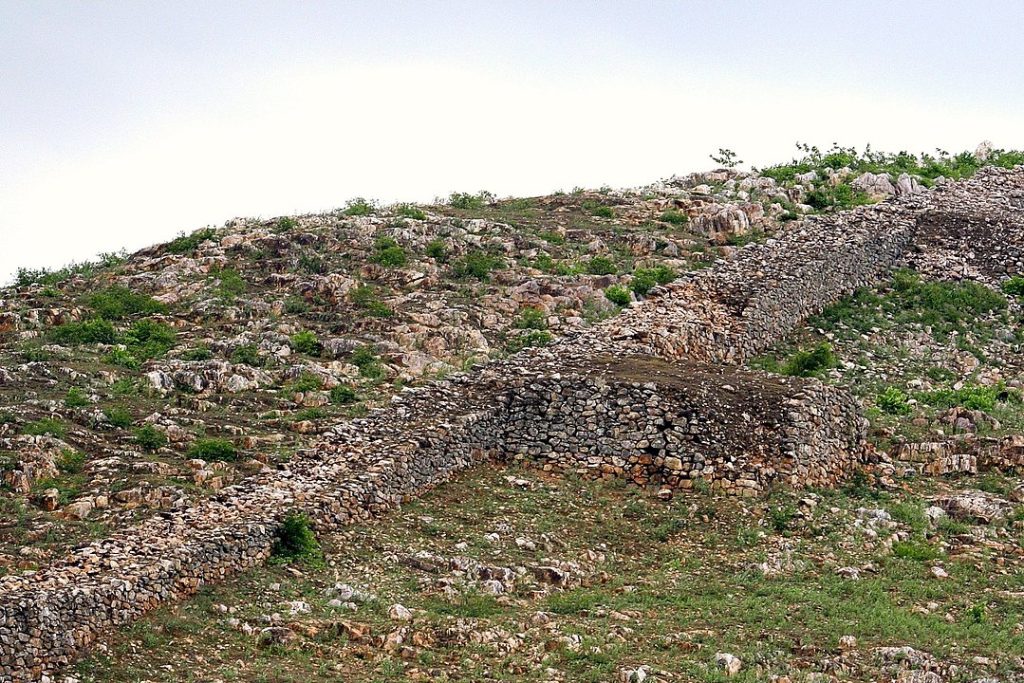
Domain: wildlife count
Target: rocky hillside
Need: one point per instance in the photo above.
(143, 382)
(139, 385)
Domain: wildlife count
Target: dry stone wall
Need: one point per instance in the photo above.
(598, 402)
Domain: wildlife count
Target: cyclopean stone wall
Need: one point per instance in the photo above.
(657, 423)
(598, 402)
(731, 312)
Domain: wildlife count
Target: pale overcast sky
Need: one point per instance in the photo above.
(123, 123)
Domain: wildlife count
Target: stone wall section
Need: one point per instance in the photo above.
(598, 402)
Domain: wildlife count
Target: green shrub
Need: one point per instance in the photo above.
(306, 342)
(673, 217)
(387, 252)
(781, 517)
(198, 353)
(531, 319)
(184, 244)
(307, 381)
(213, 449)
(599, 210)
(971, 396)
(437, 250)
(294, 541)
(123, 358)
(309, 262)
(70, 462)
(476, 264)
(411, 211)
(96, 331)
(644, 279)
(365, 358)
(118, 302)
(150, 439)
(285, 224)
(1014, 286)
(827, 197)
(601, 265)
(118, 417)
(358, 207)
(295, 305)
(365, 297)
(467, 201)
(528, 339)
(76, 398)
(343, 394)
(230, 285)
(811, 362)
(247, 354)
(150, 338)
(618, 295)
(46, 426)
(893, 401)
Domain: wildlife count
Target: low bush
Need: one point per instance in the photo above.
(358, 207)
(618, 295)
(76, 398)
(811, 362)
(893, 401)
(247, 354)
(673, 217)
(118, 302)
(437, 250)
(1014, 286)
(118, 417)
(411, 211)
(467, 201)
(95, 331)
(199, 353)
(230, 284)
(387, 252)
(366, 359)
(123, 358)
(307, 381)
(295, 305)
(184, 244)
(343, 395)
(531, 319)
(150, 338)
(971, 396)
(644, 279)
(476, 264)
(70, 462)
(601, 265)
(294, 541)
(528, 339)
(366, 298)
(213, 450)
(150, 439)
(47, 426)
(306, 342)
(285, 224)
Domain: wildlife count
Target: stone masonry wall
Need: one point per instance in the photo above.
(597, 402)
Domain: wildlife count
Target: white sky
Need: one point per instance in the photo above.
(123, 123)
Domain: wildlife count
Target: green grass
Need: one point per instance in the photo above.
(673, 585)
